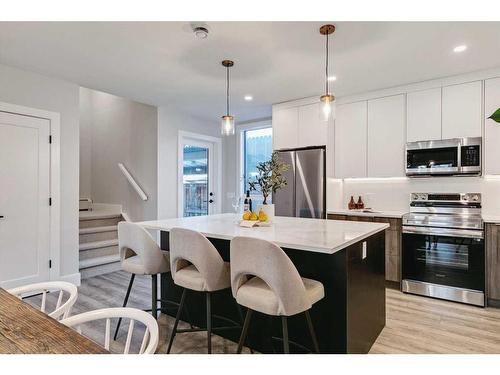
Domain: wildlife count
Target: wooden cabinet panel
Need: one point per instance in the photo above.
(491, 128)
(336, 217)
(386, 137)
(350, 140)
(392, 266)
(424, 115)
(311, 130)
(285, 127)
(462, 110)
(493, 261)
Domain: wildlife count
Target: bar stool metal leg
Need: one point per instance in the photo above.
(154, 295)
(311, 331)
(284, 325)
(209, 323)
(177, 318)
(125, 301)
(244, 331)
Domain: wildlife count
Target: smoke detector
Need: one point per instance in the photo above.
(200, 32)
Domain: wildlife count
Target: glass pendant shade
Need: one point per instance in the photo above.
(227, 125)
(326, 107)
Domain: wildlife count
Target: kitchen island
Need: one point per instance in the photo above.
(347, 257)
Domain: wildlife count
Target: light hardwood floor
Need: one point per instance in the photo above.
(414, 324)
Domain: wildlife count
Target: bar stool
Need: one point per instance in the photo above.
(140, 255)
(264, 279)
(197, 265)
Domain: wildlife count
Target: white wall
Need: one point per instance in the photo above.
(118, 130)
(170, 121)
(33, 90)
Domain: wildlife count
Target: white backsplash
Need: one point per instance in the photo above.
(394, 193)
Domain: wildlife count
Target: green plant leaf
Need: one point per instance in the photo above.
(496, 116)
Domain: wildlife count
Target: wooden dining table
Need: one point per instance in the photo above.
(26, 330)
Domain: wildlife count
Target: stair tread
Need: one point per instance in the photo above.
(98, 261)
(98, 244)
(108, 228)
(92, 215)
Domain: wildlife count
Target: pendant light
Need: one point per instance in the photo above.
(227, 124)
(326, 99)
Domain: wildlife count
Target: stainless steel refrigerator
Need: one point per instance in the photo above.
(305, 192)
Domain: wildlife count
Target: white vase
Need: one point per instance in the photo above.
(268, 209)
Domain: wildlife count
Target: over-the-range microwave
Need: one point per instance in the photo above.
(457, 156)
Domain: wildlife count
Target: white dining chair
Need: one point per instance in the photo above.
(61, 310)
(151, 334)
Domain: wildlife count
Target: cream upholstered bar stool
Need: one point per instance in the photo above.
(140, 255)
(264, 279)
(196, 265)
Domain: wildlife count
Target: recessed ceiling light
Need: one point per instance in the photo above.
(332, 78)
(200, 32)
(460, 48)
(248, 98)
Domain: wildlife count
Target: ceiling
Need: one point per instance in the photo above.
(162, 63)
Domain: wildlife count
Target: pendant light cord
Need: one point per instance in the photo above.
(227, 91)
(326, 67)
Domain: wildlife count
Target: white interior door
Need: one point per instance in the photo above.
(198, 177)
(24, 199)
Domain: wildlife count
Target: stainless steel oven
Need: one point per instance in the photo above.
(458, 156)
(443, 247)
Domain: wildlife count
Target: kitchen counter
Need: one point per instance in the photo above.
(314, 235)
(491, 219)
(375, 213)
(346, 257)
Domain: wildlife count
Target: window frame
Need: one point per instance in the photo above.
(241, 129)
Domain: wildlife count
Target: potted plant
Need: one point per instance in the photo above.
(496, 116)
(269, 180)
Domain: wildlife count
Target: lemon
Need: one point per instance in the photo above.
(262, 216)
(247, 215)
(254, 217)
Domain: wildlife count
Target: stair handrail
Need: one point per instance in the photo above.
(132, 182)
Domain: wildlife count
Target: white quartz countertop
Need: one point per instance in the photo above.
(493, 219)
(374, 213)
(315, 235)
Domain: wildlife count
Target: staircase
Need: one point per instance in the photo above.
(99, 242)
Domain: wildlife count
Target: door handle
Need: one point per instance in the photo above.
(2, 217)
(211, 201)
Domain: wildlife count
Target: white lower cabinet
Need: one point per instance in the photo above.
(491, 139)
(386, 137)
(461, 110)
(350, 140)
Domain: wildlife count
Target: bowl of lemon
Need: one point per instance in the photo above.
(251, 219)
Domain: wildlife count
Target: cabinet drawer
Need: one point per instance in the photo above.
(360, 218)
(336, 217)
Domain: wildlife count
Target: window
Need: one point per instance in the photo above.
(257, 147)
(195, 180)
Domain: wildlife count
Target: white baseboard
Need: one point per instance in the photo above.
(73, 278)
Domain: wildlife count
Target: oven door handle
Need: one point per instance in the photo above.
(446, 232)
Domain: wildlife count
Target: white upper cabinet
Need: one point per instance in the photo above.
(424, 115)
(350, 140)
(491, 128)
(462, 110)
(312, 130)
(285, 127)
(386, 136)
